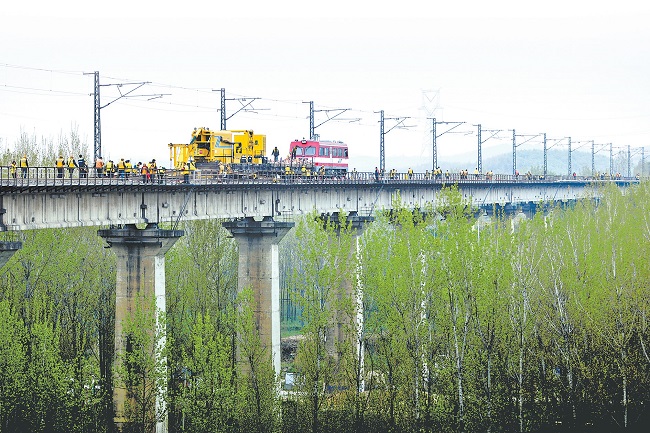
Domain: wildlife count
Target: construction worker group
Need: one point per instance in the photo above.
(149, 172)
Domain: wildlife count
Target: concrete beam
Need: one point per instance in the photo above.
(140, 277)
(259, 269)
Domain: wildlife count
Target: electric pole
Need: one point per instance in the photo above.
(312, 126)
(311, 120)
(382, 157)
(593, 156)
(244, 102)
(514, 154)
(593, 160)
(569, 159)
(97, 147)
(97, 107)
(435, 147)
(515, 146)
(480, 143)
(435, 137)
(555, 141)
(399, 123)
(223, 109)
(642, 160)
(545, 158)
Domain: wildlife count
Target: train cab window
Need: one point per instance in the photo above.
(310, 151)
(324, 151)
(345, 153)
(298, 150)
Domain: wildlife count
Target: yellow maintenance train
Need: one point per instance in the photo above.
(208, 148)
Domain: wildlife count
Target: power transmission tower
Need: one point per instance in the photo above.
(430, 107)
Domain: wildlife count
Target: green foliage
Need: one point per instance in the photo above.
(13, 358)
(56, 287)
(325, 249)
(467, 326)
(208, 396)
(141, 369)
(256, 397)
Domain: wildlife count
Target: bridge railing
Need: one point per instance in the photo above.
(51, 176)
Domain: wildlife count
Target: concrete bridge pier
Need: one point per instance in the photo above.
(140, 277)
(7, 250)
(259, 269)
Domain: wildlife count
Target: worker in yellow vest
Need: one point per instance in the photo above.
(59, 164)
(120, 168)
(110, 168)
(71, 165)
(24, 165)
(153, 169)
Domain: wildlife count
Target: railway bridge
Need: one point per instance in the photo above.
(258, 210)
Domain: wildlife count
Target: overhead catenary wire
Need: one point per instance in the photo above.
(187, 99)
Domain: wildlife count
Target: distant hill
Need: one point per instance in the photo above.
(556, 162)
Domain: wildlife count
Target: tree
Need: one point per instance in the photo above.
(319, 294)
(13, 363)
(141, 368)
(208, 399)
(526, 258)
(257, 384)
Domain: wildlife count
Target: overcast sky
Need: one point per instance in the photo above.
(578, 69)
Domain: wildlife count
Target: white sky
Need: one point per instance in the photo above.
(567, 68)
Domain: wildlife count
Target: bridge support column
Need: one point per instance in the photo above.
(7, 250)
(140, 277)
(259, 269)
(352, 289)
